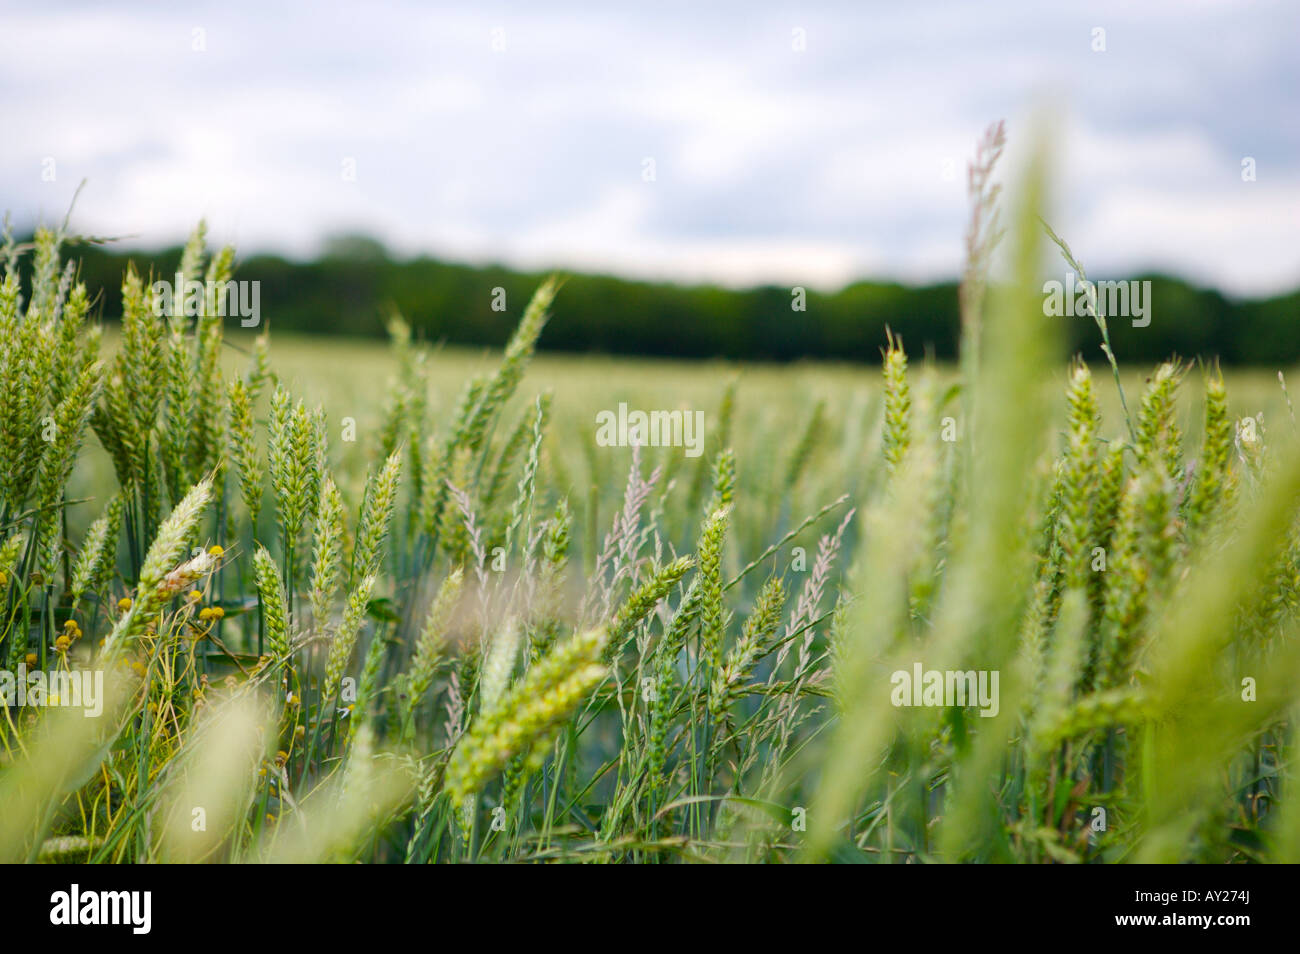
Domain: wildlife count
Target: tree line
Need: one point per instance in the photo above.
(355, 285)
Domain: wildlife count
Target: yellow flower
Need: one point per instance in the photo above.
(62, 643)
(124, 603)
(215, 550)
(194, 596)
(30, 660)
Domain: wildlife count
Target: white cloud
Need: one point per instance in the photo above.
(816, 168)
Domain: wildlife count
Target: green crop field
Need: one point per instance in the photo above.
(285, 598)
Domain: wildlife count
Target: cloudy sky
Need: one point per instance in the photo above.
(803, 143)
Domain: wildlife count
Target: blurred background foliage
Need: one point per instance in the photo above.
(355, 283)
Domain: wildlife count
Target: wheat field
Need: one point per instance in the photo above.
(337, 601)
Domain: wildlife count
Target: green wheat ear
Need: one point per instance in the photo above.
(712, 612)
(295, 466)
(243, 448)
(98, 550)
(1212, 490)
(898, 403)
(327, 557)
(527, 714)
(519, 351)
(1078, 476)
(645, 598)
(754, 642)
(275, 606)
(160, 578)
(377, 515)
(1157, 428)
(431, 642)
(344, 639)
